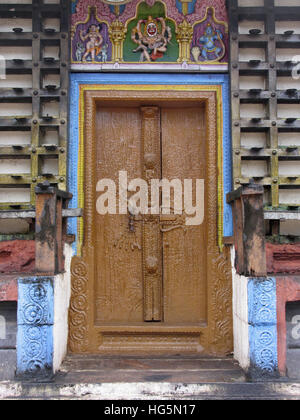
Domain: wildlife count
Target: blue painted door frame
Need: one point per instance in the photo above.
(78, 79)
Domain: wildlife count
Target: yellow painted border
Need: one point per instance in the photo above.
(149, 87)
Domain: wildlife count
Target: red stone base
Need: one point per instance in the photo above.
(16, 257)
(283, 259)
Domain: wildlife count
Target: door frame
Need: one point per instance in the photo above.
(216, 336)
(80, 82)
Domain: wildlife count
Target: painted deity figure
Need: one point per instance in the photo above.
(80, 49)
(208, 40)
(104, 53)
(95, 41)
(153, 40)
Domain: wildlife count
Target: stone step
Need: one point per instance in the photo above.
(95, 377)
(187, 369)
(152, 391)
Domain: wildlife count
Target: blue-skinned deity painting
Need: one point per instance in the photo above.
(210, 40)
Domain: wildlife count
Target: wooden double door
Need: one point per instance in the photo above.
(146, 283)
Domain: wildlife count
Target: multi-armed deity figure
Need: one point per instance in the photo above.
(153, 39)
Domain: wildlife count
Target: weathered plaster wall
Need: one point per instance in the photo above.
(240, 317)
(62, 292)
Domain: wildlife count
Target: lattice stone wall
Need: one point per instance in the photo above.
(34, 48)
(265, 47)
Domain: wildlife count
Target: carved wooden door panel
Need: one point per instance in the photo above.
(118, 256)
(184, 261)
(150, 283)
(156, 271)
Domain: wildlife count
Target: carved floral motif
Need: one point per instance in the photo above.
(263, 324)
(78, 307)
(35, 325)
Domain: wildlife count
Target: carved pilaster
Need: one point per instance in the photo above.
(184, 36)
(117, 33)
(152, 264)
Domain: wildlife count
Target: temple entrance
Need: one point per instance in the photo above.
(150, 272)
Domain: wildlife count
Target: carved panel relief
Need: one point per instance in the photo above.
(129, 33)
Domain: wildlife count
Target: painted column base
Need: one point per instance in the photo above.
(42, 325)
(262, 319)
(255, 325)
(43, 304)
(35, 326)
